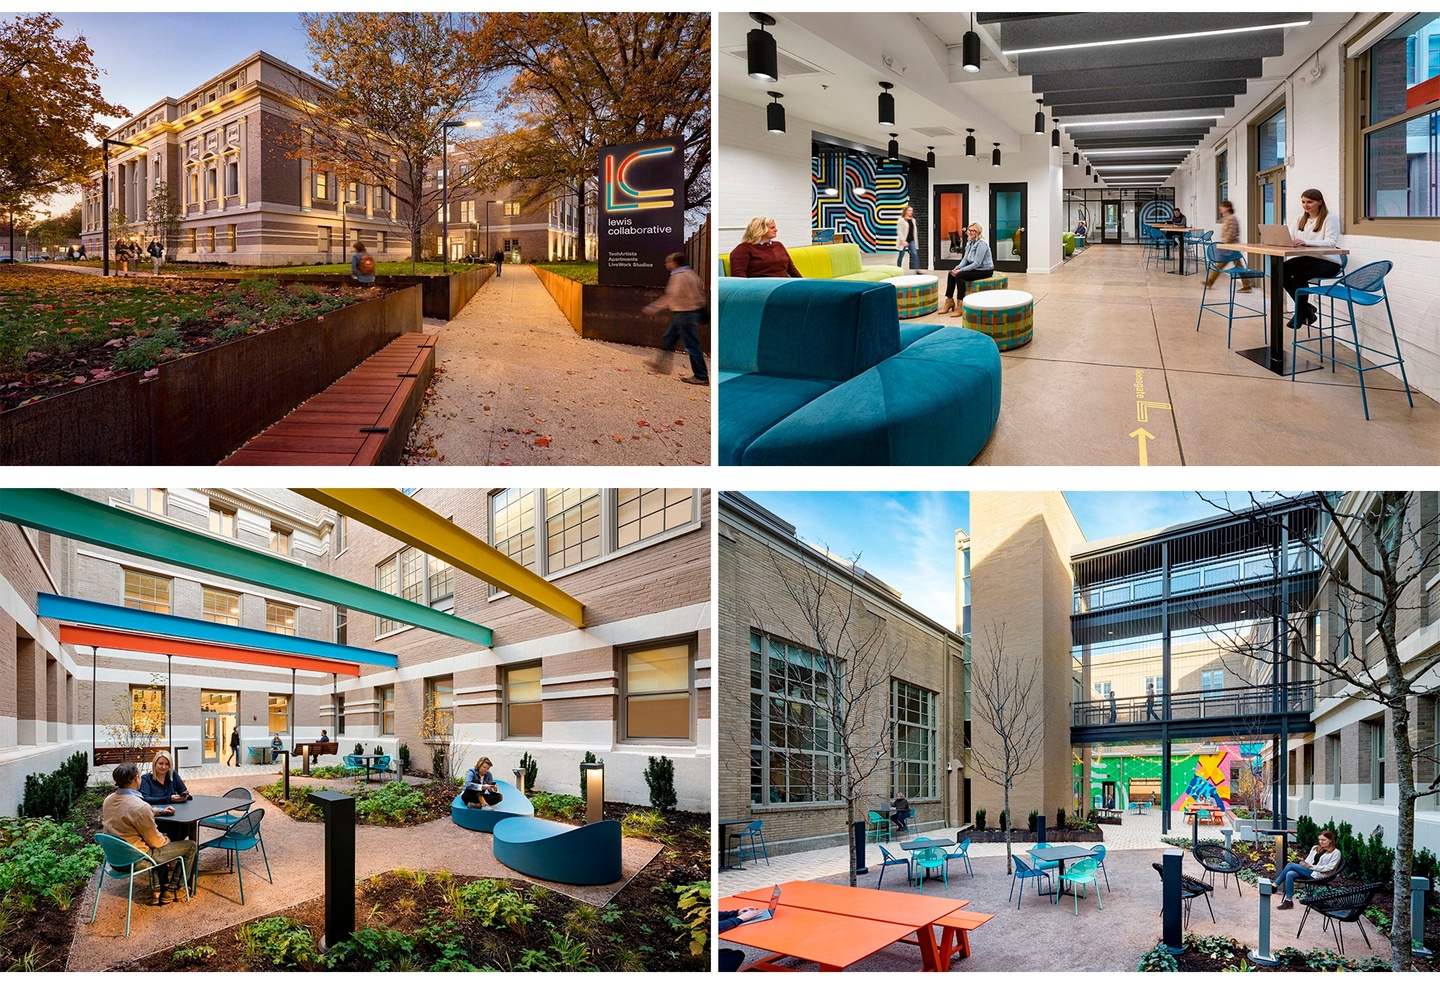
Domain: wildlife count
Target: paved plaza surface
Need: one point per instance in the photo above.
(517, 385)
(1040, 936)
(296, 852)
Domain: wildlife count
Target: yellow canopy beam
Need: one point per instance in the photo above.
(400, 516)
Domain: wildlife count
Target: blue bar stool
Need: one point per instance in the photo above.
(1366, 287)
(1213, 265)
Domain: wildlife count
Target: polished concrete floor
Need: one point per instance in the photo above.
(1118, 375)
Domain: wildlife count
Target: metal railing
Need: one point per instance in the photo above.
(1241, 702)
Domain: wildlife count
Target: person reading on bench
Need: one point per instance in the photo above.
(480, 784)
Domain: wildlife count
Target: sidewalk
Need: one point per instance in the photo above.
(516, 385)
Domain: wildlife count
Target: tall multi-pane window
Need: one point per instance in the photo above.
(279, 718)
(339, 714)
(1222, 178)
(147, 592)
(232, 178)
(914, 741)
(147, 709)
(440, 705)
(386, 696)
(572, 527)
(1270, 150)
(793, 748)
(1102, 689)
(150, 499)
(1377, 760)
(1332, 762)
(279, 618)
(524, 706)
(644, 512)
(342, 626)
(1399, 121)
(416, 577)
(512, 524)
(1211, 681)
(280, 541)
(659, 692)
(222, 521)
(220, 606)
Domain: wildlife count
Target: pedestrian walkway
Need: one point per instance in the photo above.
(516, 385)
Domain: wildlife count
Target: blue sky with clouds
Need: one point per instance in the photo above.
(907, 538)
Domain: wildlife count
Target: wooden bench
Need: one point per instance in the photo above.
(306, 751)
(119, 755)
(363, 418)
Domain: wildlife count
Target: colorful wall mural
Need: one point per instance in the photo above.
(1193, 778)
(869, 196)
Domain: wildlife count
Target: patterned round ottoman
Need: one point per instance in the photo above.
(1007, 316)
(916, 296)
(995, 281)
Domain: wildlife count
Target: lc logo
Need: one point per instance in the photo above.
(621, 195)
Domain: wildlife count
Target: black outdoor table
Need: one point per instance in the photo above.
(189, 814)
(923, 843)
(724, 825)
(1060, 854)
(368, 759)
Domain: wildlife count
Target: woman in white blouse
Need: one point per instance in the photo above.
(1323, 859)
(907, 238)
(1315, 227)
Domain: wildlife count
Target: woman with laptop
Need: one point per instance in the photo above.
(1315, 227)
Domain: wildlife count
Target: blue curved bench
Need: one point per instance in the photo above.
(483, 820)
(555, 852)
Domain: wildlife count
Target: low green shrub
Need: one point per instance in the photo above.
(1060, 818)
(37, 856)
(495, 904)
(552, 805)
(694, 904)
(193, 955)
(1033, 820)
(980, 819)
(49, 795)
(148, 351)
(1004, 820)
(391, 802)
(277, 943)
(376, 950)
(1159, 960)
(404, 755)
(645, 823)
(532, 769)
(660, 777)
(329, 771)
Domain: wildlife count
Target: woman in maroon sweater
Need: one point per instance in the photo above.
(759, 254)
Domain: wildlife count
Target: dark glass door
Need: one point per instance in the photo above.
(952, 213)
(1007, 227)
(1110, 230)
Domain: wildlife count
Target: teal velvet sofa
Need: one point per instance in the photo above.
(820, 372)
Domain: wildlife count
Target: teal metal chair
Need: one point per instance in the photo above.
(1024, 872)
(225, 820)
(931, 858)
(892, 861)
(961, 852)
(1366, 287)
(353, 765)
(125, 861)
(878, 825)
(382, 764)
(1081, 874)
(1041, 864)
(1154, 246)
(755, 833)
(1099, 854)
(1214, 257)
(243, 835)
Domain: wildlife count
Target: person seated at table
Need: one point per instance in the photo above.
(277, 748)
(1323, 859)
(760, 254)
(1176, 218)
(163, 785)
(901, 814)
(126, 816)
(976, 264)
(480, 784)
(729, 919)
(1315, 227)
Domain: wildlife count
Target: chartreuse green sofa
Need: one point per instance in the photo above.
(839, 261)
(817, 372)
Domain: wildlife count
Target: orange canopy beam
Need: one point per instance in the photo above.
(104, 638)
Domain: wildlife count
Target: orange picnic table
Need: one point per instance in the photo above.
(913, 913)
(834, 941)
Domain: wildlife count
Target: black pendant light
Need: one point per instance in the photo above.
(970, 142)
(775, 114)
(930, 157)
(887, 105)
(1087, 170)
(995, 156)
(1075, 159)
(892, 152)
(761, 60)
(1097, 178)
(970, 48)
(1040, 118)
(1055, 134)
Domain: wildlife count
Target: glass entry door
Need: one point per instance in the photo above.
(951, 211)
(219, 716)
(1110, 230)
(1007, 227)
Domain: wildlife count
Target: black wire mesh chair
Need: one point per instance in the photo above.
(1340, 905)
(1190, 889)
(1216, 859)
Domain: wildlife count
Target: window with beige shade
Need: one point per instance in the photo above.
(659, 692)
(147, 592)
(220, 607)
(524, 713)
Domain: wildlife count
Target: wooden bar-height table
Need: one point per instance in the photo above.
(1180, 242)
(1274, 356)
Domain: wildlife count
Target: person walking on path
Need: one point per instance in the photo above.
(499, 260)
(1150, 713)
(685, 296)
(362, 266)
(156, 249)
(234, 747)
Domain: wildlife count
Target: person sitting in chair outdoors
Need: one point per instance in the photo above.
(163, 785)
(480, 784)
(901, 816)
(1323, 859)
(126, 816)
(276, 747)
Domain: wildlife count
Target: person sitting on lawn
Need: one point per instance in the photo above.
(480, 784)
(1323, 859)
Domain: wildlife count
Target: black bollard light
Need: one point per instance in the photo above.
(860, 867)
(1040, 828)
(1172, 908)
(339, 812)
(287, 777)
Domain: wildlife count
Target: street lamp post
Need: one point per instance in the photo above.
(445, 187)
(105, 144)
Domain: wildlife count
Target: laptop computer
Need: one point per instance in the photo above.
(768, 912)
(1277, 235)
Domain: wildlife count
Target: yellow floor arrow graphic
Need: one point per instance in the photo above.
(1144, 435)
(1143, 408)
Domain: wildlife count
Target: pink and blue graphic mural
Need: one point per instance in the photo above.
(869, 196)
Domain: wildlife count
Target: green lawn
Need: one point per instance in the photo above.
(580, 272)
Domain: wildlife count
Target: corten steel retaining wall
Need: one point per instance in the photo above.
(612, 313)
(199, 408)
(444, 296)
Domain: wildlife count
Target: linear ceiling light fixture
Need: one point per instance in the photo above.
(970, 47)
(1141, 150)
(775, 114)
(887, 105)
(1040, 118)
(1144, 122)
(970, 142)
(761, 60)
(1114, 42)
(1130, 167)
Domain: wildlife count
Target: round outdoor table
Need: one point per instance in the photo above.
(1007, 316)
(916, 296)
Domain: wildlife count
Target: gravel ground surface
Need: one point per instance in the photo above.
(296, 852)
(1042, 937)
(516, 385)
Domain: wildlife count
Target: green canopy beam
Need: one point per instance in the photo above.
(64, 514)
